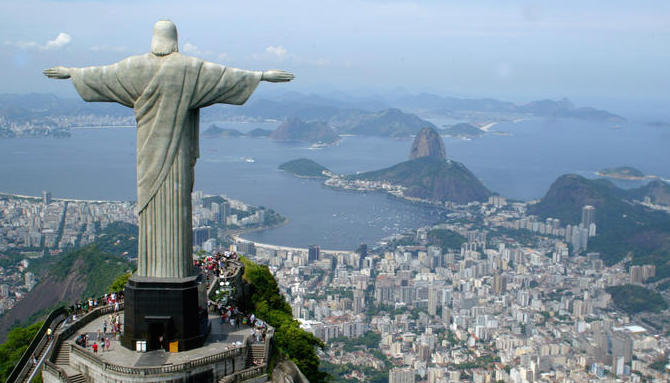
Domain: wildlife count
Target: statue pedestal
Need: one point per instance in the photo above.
(164, 310)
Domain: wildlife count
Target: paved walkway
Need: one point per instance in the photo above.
(221, 338)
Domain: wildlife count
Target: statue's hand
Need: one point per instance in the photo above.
(276, 75)
(59, 72)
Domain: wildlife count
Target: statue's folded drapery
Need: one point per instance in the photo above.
(166, 93)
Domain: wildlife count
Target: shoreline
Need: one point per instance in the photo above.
(628, 178)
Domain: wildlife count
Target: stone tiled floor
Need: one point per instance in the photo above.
(222, 337)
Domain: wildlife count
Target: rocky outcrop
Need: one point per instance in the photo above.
(427, 143)
(287, 372)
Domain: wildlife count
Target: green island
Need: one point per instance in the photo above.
(304, 167)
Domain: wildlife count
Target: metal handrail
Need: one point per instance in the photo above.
(22, 367)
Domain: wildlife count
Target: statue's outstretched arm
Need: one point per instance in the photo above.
(57, 72)
(277, 75)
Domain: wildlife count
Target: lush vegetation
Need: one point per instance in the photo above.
(17, 342)
(264, 299)
(370, 340)
(446, 239)
(98, 263)
(634, 299)
(432, 179)
(303, 167)
(119, 283)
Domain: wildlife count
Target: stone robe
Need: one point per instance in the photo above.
(166, 93)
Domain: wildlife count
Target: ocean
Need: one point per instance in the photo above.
(518, 160)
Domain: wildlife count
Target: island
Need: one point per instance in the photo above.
(304, 167)
(463, 130)
(624, 173)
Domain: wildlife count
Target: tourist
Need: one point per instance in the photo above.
(95, 348)
(107, 343)
(49, 333)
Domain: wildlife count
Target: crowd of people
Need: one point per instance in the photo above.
(219, 264)
(82, 308)
(111, 329)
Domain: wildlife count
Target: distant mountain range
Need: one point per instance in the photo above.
(344, 112)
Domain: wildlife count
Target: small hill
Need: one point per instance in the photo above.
(387, 123)
(304, 167)
(315, 132)
(432, 179)
(623, 172)
(216, 131)
(427, 143)
(624, 227)
(463, 130)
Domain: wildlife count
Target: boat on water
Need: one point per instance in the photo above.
(248, 160)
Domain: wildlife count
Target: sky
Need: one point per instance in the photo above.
(593, 52)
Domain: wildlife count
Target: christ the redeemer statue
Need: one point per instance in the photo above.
(166, 90)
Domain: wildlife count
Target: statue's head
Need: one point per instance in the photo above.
(164, 40)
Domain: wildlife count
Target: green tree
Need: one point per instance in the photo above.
(265, 300)
(17, 342)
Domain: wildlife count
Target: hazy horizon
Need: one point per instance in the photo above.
(520, 51)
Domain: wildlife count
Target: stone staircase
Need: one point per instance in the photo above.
(256, 352)
(79, 378)
(63, 355)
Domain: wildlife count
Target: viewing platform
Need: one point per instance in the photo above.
(230, 353)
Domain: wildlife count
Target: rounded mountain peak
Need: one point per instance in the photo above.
(427, 143)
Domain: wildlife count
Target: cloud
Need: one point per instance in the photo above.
(278, 51)
(191, 48)
(60, 41)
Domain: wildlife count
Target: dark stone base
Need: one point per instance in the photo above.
(164, 310)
